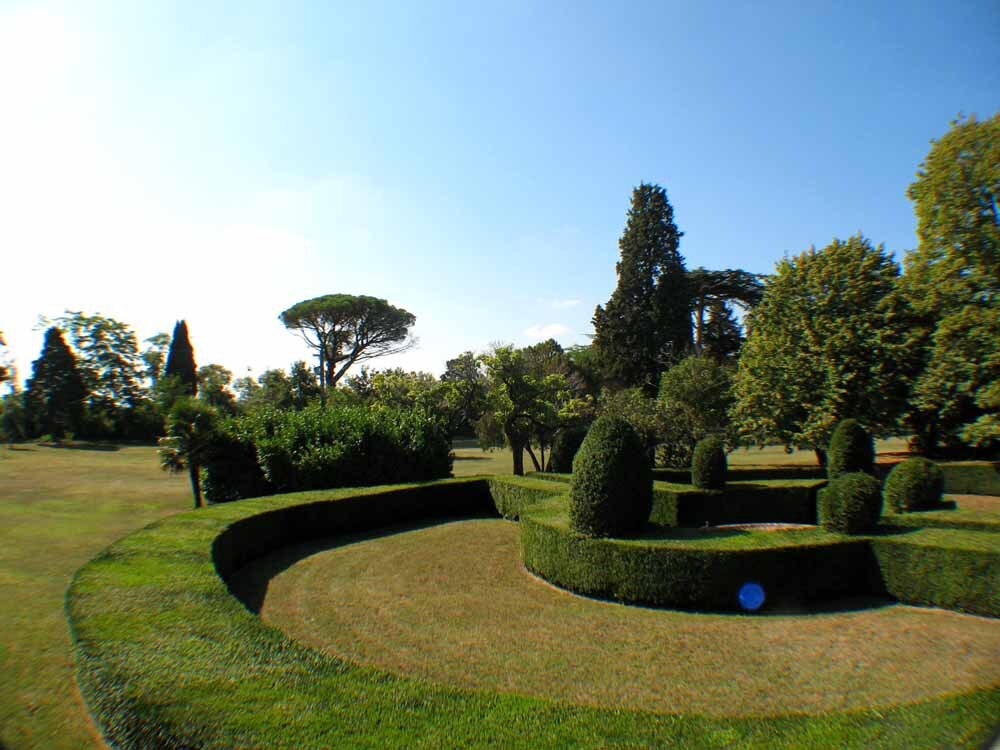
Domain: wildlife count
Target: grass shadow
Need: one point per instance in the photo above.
(250, 583)
(82, 446)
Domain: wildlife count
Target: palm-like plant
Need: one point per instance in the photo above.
(191, 427)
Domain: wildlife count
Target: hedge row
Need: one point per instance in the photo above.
(745, 473)
(168, 658)
(945, 568)
(791, 501)
(511, 495)
(271, 450)
(688, 574)
(972, 478)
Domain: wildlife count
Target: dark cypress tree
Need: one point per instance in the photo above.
(180, 360)
(55, 392)
(722, 337)
(647, 322)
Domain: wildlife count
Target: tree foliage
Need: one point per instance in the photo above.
(191, 429)
(213, 388)
(180, 360)
(714, 292)
(6, 369)
(56, 391)
(647, 321)
(952, 283)
(826, 342)
(693, 402)
(345, 329)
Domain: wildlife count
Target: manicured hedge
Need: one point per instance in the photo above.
(790, 501)
(944, 568)
(746, 473)
(511, 495)
(708, 464)
(851, 503)
(693, 573)
(851, 450)
(972, 478)
(168, 658)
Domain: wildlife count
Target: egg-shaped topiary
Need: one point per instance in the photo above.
(611, 492)
(851, 449)
(914, 484)
(564, 447)
(708, 465)
(851, 503)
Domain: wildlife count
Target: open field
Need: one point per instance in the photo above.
(453, 603)
(58, 508)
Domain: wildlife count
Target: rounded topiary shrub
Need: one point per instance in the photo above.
(611, 493)
(851, 503)
(708, 465)
(851, 449)
(914, 484)
(564, 447)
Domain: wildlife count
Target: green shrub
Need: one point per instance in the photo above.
(914, 484)
(851, 449)
(320, 448)
(972, 478)
(851, 503)
(231, 471)
(708, 465)
(611, 493)
(564, 447)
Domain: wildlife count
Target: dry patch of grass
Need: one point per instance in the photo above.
(59, 506)
(452, 603)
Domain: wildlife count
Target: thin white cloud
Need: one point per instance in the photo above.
(562, 304)
(547, 331)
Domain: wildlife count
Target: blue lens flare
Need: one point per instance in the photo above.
(751, 596)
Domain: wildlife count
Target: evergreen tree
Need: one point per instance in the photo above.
(56, 392)
(180, 360)
(722, 333)
(647, 322)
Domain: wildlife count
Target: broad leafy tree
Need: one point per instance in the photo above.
(693, 403)
(827, 342)
(154, 356)
(522, 403)
(6, 369)
(345, 329)
(952, 283)
(465, 393)
(647, 322)
(213, 388)
(56, 391)
(304, 385)
(180, 360)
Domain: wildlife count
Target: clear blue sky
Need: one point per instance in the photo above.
(221, 161)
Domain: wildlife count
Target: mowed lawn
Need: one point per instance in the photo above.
(58, 508)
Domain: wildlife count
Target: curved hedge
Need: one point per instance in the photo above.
(708, 464)
(851, 503)
(168, 658)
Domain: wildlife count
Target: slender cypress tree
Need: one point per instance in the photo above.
(647, 321)
(55, 392)
(180, 360)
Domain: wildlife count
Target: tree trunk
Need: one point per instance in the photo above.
(517, 448)
(699, 326)
(820, 456)
(195, 484)
(531, 453)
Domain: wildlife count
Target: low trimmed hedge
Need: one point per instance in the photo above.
(972, 478)
(746, 473)
(168, 658)
(696, 574)
(511, 495)
(791, 501)
(954, 569)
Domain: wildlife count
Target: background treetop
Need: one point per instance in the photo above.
(345, 329)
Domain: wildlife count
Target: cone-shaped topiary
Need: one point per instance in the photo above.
(914, 484)
(851, 449)
(851, 503)
(708, 465)
(564, 447)
(611, 493)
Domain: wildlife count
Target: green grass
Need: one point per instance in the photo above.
(171, 655)
(480, 622)
(58, 508)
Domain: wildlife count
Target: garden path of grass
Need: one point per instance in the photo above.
(58, 508)
(452, 603)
